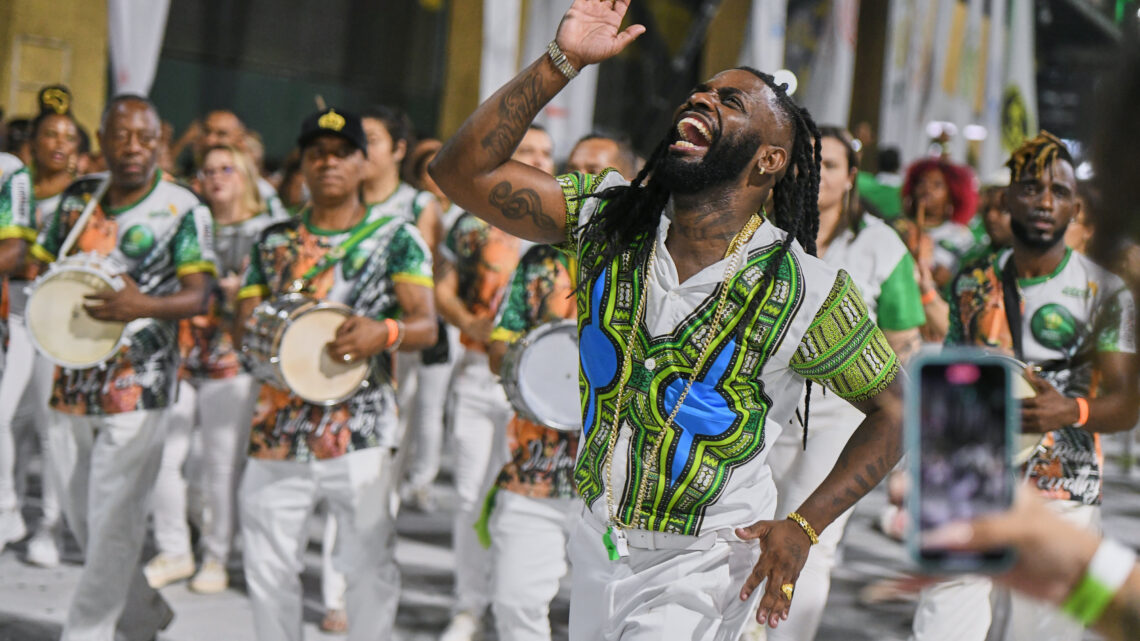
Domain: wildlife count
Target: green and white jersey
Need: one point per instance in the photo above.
(879, 263)
(1068, 317)
(406, 202)
(15, 199)
(710, 473)
(951, 242)
(273, 205)
(165, 235)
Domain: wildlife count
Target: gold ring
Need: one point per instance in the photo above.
(787, 589)
(347, 358)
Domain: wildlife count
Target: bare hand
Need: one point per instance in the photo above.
(1052, 554)
(783, 552)
(591, 31)
(358, 337)
(1049, 410)
(230, 285)
(479, 329)
(123, 305)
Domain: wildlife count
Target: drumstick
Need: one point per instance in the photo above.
(81, 222)
(320, 100)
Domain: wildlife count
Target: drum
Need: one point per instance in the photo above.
(1027, 444)
(59, 326)
(540, 376)
(285, 345)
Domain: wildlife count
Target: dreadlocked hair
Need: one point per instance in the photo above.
(632, 213)
(1036, 155)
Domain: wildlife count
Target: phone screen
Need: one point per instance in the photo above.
(964, 470)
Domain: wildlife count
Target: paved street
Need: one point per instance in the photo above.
(33, 601)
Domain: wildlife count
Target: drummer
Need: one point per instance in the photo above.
(16, 228)
(1076, 322)
(477, 260)
(108, 422)
(301, 453)
(534, 500)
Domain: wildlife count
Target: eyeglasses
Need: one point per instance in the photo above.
(227, 170)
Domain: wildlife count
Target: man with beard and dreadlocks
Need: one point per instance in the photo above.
(1073, 323)
(701, 317)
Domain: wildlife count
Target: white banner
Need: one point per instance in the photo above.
(136, 29)
(1019, 95)
(992, 157)
(828, 96)
(901, 30)
(764, 35)
(570, 115)
(502, 21)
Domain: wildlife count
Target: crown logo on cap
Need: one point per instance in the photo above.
(331, 120)
(57, 99)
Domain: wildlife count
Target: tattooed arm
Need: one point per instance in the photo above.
(474, 167)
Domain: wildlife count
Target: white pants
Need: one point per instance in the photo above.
(105, 467)
(423, 408)
(798, 472)
(528, 552)
(479, 428)
(223, 410)
(276, 498)
(25, 386)
(659, 595)
(960, 609)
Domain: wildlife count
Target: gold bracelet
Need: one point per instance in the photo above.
(808, 529)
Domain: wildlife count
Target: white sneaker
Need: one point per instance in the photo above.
(211, 578)
(421, 498)
(165, 569)
(43, 550)
(464, 626)
(12, 527)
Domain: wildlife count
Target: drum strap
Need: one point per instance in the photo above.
(338, 253)
(1011, 299)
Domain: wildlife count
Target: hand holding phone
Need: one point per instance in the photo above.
(961, 421)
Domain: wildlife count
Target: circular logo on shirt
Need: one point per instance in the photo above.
(138, 241)
(1054, 326)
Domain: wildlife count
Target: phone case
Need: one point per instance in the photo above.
(914, 445)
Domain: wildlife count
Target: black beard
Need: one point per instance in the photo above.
(724, 161)
(1039, 243)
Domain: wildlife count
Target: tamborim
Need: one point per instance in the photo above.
(540, 376)
(59, 326)
(285, 345)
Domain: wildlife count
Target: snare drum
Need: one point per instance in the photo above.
(59, 326)
(540, 376)
(285, 345)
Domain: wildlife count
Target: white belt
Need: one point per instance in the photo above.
(652, 540)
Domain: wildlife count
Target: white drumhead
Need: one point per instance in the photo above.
(305, 363)
(63, 329)
(548, 378)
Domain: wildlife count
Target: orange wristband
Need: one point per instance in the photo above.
(393, 332)
(929, 297)
(1083, 409)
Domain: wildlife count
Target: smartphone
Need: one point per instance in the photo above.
(961, 421)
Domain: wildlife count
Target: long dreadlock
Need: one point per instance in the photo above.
(633, 213)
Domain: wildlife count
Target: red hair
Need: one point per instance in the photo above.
(960, 183)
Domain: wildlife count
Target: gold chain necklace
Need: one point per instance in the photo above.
(614, 537)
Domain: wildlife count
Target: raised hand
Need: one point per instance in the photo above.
(591, 31)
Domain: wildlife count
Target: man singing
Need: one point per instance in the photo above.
(701, 317)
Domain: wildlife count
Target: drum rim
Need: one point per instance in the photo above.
(513, 357)
(77, 263)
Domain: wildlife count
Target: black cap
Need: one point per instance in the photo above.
(333, 122)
